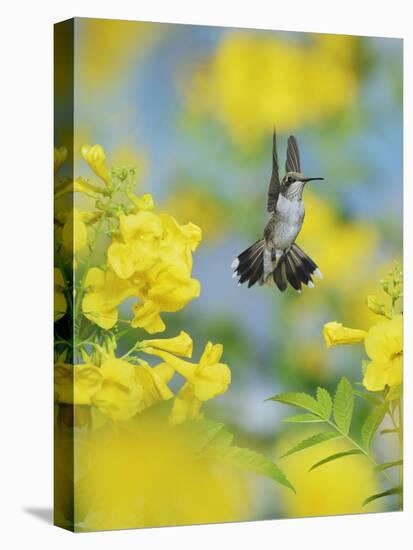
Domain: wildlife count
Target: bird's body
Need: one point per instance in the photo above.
(276, 258)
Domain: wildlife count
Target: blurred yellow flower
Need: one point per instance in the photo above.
(74, 232)
(60, 155)
(164, 483)
(325, 490)
(121, 393)
(384, 346)
(104, 291)
(76, 384)
(179, 345)
(95, 157)
(255, 81)
(60, 303)
(336, 334)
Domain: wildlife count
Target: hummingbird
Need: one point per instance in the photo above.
(276, 258)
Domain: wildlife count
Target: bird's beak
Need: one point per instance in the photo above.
(312, 179)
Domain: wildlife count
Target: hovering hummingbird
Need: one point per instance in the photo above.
(276, 257)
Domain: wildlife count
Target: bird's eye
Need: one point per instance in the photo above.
(290, 179)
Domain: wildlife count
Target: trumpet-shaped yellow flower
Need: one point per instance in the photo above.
(104, 292)
(95, 157)
(179, 345)
(336, 334)
(60, 155)
(76, 384)
(60, 303)
(154, 382)
(204, 380)
(74, 232)
(384, 346)
(121, 393)
(147, 316)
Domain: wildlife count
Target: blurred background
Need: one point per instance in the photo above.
(193, 108)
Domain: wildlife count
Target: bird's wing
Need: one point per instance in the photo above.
(292, 163)
(274, 188)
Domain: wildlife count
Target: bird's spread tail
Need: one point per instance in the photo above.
(294, 267)
(249, 265)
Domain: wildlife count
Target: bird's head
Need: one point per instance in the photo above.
(293, 184)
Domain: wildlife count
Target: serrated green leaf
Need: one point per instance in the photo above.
(202, 432)
(368, 397)
(221, 439)
(311, 441)
(387, 465)
(251, 461)
(303, 418)
(372, 423)
(302, 400)
(335, 457)
(325, 403)
(343, 405)
(393, 491)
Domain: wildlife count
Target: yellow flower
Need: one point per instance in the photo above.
(147, 316)
(60, 304)
(74, 232)
(179, 345)
(384, 346)
(325, 490)
(204, 380)
(262, 71)
(76, 384)
(146, 474)
(145, 202)
(120, 395)
(154, 382)
(104, 292)
(336, 334)
(60, 155)
(137, 250)
(95, 157)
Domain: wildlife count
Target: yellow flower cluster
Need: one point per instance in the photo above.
(253, 81)
(150, 258)
(120, 389)
(384, 346)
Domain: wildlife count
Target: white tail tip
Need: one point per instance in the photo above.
(234, 275)
(318, 273)
(239, 284)
(235, 263)
(310, 284)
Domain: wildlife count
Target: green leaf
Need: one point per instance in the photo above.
(387, 465)
(220, 440)
(343, 405)
(311, 441)
(372, 423)
(335, 457)
(202, 432)
(251, 461)
(325, 403)
(302, 400)
(393, 491)
(303, 418)
(368, 397)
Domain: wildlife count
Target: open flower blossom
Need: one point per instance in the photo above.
(336, 334)
(104, 292)
(384, 346)
(76, 384)
(154, 254)
(204, 380)
(95, 157)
